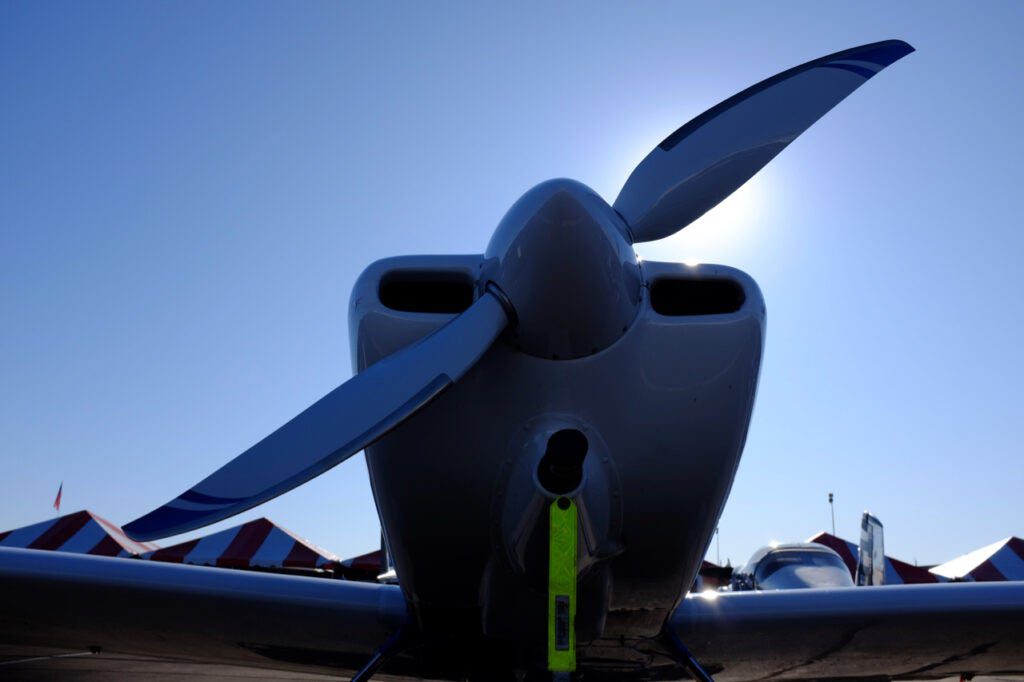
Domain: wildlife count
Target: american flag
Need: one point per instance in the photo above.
(56, 502)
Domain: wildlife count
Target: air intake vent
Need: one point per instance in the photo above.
(426, 291)
(705, 296)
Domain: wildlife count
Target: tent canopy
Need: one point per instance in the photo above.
(896, 572)
(1003, 560)
(256, 544)
(83, 532)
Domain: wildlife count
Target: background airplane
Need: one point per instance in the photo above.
(802, 565)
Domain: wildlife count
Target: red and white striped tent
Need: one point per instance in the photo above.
(365, 567)
(896, 572)
(712, 576)
(83, 532)
(1003, 560)
(257, 544)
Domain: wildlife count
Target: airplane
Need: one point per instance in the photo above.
(562, 421)
(801, 565)
(791, 566)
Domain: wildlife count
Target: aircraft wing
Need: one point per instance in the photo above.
(897, 631)
(149, 618)
(72, 604)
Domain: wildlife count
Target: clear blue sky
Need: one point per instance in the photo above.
(188, 192)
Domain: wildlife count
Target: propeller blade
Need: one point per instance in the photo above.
(708, 159)
(334, 428)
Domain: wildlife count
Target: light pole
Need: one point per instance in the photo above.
(832, 508)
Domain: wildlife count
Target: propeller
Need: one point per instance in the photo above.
(343, 422)
(691, 171)
(709, 158)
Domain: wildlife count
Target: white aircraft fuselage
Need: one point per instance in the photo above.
(664, 407)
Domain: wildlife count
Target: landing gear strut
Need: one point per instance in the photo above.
(394, 645)
(688, 660)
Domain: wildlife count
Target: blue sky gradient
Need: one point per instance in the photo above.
(188, 192)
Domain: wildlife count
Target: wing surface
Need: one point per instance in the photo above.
(904, 631)
(75, 603)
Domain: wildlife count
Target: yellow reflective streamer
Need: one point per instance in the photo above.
(562, 586)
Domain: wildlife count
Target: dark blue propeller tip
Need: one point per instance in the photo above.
(711, 156)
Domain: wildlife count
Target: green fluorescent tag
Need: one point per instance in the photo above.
(562, 586)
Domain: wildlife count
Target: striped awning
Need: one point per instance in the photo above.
(257, 544)
(83, 532)
(896, 572)
(1003, 560)
(365, 567)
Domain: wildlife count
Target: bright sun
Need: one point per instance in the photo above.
(718, 236)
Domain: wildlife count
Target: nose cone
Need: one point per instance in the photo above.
(561, 256)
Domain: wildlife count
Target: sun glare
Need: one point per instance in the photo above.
(723, 234)
(719, 236)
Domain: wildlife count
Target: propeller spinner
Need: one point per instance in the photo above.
(560, 272)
